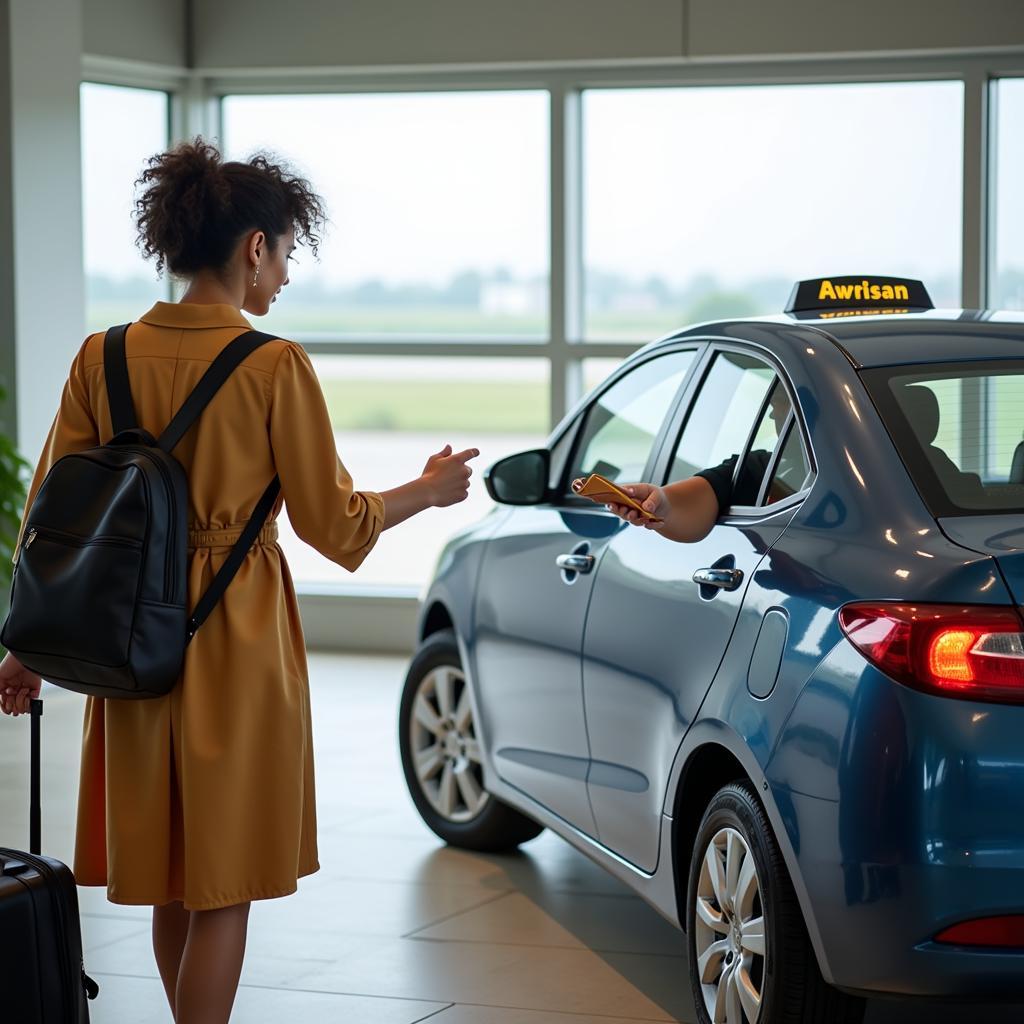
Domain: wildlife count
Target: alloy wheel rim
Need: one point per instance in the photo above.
(729, 931)
(445, 749)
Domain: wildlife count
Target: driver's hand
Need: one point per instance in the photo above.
(654, 500)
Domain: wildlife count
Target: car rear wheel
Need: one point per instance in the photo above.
(441, 755)
(750, 957)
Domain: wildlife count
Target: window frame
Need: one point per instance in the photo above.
(196, 95)
(565, 347)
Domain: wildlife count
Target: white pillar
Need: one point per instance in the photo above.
(42, 287)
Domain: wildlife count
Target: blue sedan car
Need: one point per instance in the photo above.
(800, 738)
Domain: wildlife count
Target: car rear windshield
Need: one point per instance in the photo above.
(960, 431)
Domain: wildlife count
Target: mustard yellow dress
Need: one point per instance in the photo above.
(206, 795)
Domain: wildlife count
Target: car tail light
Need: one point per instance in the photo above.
(1004, 932)
(972, 652)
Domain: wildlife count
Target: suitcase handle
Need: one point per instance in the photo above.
(13, 867)
(35, 814)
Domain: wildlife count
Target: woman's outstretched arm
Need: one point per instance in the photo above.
(444, 481)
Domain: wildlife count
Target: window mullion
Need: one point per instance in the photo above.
(976, 199)
(565, 299)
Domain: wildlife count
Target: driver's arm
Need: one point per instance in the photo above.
(691, 512)
(687, 509)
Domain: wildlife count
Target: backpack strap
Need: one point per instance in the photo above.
(233, 562)
(115, 373)
(218, 371)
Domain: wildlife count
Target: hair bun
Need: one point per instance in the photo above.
(194, 207)
(186, 195)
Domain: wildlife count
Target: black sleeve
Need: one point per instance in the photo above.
(720, 478)
(748, 483)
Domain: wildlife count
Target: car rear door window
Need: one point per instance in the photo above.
(792, 472)
(758, 457)
(722, 417)
(624, 421)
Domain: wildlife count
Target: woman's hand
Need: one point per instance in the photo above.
(446, 476)
(18, 686)
(653, 499)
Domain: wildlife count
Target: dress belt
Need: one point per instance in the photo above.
(228, 537)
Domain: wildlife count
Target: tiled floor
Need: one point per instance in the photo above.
(395, 928)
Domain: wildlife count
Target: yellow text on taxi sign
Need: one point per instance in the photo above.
(864, 291)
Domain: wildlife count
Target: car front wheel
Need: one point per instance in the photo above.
(750, 957)
(441, 755)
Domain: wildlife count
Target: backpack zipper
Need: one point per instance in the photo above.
(72, 540)
(23, 546)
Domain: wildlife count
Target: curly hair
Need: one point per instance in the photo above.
(194, 207)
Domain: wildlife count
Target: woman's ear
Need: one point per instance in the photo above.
(257, 244)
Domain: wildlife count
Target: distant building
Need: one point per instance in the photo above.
(515, 298)
(634, 301)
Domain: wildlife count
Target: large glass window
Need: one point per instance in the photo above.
(1007, 288)
(438, 205)
(699, 203)
(121, 127)
(702, 203)
(390, 415)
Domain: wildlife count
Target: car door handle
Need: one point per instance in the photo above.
(575, 563)
(724, 579)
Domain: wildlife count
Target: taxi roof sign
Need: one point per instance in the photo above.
(870, 294)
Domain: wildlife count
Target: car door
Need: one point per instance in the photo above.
(535, 584)
(654, 636)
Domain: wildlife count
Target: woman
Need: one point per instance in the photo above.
(199, 802)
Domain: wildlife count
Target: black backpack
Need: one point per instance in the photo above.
(98, 598)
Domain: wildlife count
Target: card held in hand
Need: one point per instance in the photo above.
(604, 492)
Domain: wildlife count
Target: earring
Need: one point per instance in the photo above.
(256, 275)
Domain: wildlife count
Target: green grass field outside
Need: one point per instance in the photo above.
(482, 406)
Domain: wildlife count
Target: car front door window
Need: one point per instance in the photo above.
(624, 421)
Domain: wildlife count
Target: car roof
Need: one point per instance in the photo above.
(931, 336)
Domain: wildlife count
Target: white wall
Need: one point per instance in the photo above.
(757, 28)
(154, 31)
(360, 33)
(41, 280)
(8, 406)
(258, 33)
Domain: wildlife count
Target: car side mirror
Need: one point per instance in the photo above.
(520, 479)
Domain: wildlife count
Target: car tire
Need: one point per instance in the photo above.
(441, 755)
(732, 957)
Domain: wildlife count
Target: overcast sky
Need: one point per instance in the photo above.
(791, 181)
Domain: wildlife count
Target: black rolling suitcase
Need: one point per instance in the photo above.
(42, 974)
